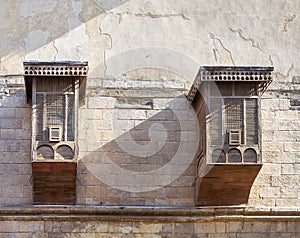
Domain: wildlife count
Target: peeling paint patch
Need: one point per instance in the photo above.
(254, 43)
(271, 60)
(287, 75)
(29, 8)
(286, 22)
(110, 4)
(36, 38)
(222, 55)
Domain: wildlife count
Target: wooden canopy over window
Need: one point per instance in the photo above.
(261, 75)
(34, 68)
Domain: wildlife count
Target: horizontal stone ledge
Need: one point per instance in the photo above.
(151, 214)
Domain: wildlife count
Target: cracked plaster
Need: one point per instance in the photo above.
(29, 8)
(222, 55)
(215, 32)
(287, 21)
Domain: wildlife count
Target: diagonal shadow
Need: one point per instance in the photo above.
(144, 155)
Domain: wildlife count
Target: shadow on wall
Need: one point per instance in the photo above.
(49, 19)
(15, 141)
(150, 164)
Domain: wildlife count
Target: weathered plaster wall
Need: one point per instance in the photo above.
(143, 54)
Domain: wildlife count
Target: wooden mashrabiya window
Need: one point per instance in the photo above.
(54, 88)
(227, 103)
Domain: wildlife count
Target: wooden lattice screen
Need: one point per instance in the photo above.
(55, 107)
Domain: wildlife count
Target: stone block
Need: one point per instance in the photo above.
(289, 125)
(63, 226)
(293, 227)
(270, 125)
(160, 115)
(101, 102)
(9, 226)
(7, 134)
(183, 228)
(268, 136)
(9, 145)
(292, 146)
(102, 135)
(217, 236)
(7, 112)
(161, 103)
(287, 115)
(167, 228)
(179, 192)
(288, 193)
(271, 169)
(99, 125)
(281, 227)
(125, 125)
(131, 114)
(11, 123)
(272, 146)
(287, 169)
(39, 235)
(267, 115)
(286, 135)
(270, 104)
(283, 202)
(14, 191)
(220, 227)
(23, 134)
(27, 124)
(234, 226)
(94, 82)
(251, 235)
(123, 228)
(31, 226)
(284, 104)
(297, 168)
(16, 81)
(263, 227)
(205, 227)
(15, 101)
(23, 112)
(27, 191)
(91, 227)
(142, 227)
(93, 114)
(114, 83)
(286, 180)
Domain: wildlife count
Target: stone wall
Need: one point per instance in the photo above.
(54, 229)
(15, 142)
(40, 222)
(133, 123)
(278, 182)
(143, 56)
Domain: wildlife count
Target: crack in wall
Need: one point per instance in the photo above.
(271, 60)
(109, 48)
(225, 55)
(290, 70)
(287, 75)
(286, 22)
(151, 15)
(240, 33)
(56, 50)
